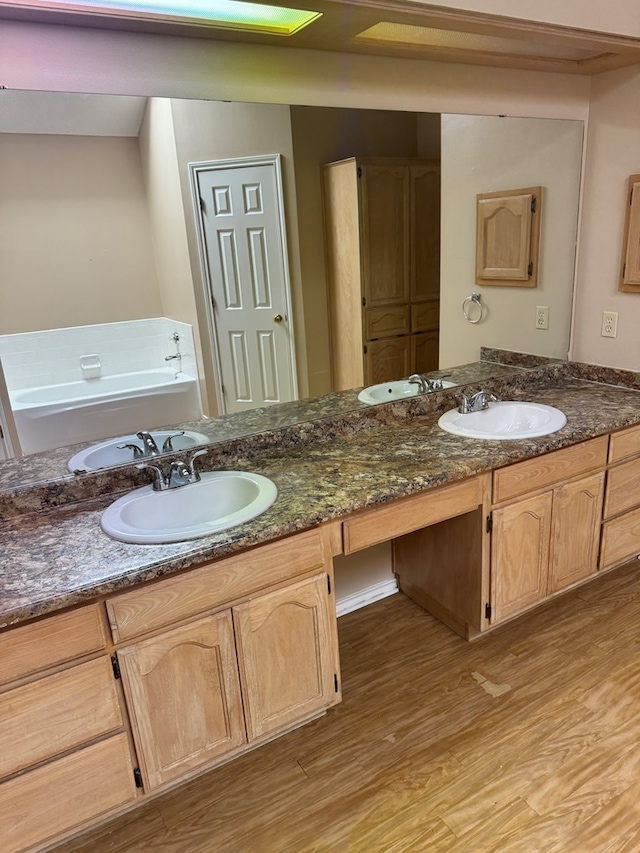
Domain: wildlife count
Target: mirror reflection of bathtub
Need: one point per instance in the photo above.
(132, 381)
(55, 415)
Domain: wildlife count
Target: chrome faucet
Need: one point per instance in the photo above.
(426, 385)
(149, 446)
(180, 473)
(177, 355)
(476, 402)
(420, 381)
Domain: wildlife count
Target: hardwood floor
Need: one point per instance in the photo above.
(526, 741)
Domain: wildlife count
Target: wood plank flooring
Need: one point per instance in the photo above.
(526, 741)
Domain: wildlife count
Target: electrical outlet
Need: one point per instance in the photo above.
(542, 317)
(609, 324)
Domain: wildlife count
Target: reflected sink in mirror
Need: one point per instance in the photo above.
(218, 501)
(111, 452)
(505, 421)
(399, 389)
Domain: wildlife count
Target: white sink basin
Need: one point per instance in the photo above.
(505, 421)
(106, 453)
(386, 392)
(220, 500)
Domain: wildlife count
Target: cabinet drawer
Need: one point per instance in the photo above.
(425, 316)
(620, 539)
(66, 793)
(57, 713)
(173, 599)
(547, 470)
(624, 443)
(28, 648)
(623, 488)
(387, 322)
(388, 522)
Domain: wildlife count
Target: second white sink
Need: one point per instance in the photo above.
(106, 453)
(386, 392)
(220, 500)
(505, 421)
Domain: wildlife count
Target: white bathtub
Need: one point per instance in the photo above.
(93, 409)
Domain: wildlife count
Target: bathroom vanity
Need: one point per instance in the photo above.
(106, 645)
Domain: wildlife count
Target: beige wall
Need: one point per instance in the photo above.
(487, 154)
(613, 153)
(76, 239)
(322, 136)
(164, 201)
(57, 58)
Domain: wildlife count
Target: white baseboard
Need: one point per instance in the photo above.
(366, 596)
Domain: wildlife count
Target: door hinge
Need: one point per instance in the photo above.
(137, 775)
(202, 205)
(530, 268)
(222, 389)
(329, 584)
(115, 666)
(489, 524)
(624, 269)
(364, 301)
(359, 173)
(364, 349)
(335, 681)
(487, 611)
(534, 204)
(631, 196)
(1, 432)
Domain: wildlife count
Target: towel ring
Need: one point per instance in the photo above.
(476, 299)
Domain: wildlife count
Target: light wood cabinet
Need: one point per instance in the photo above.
(183, 696)
(207, 685)
(65, 757)
(382, 235)
(630, 266)
(621, 528)
(545, 543)
(66, 794)
(285, 655)
(575, 532)
(520, 555)
(507, 237)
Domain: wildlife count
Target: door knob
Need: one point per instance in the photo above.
(278, 318)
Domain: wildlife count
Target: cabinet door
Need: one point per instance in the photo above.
(425, 230)
(285, 651)
(183, 694)
(520, 555)
(424, 352)
(575, 531)
(385, 206)
(387, 360)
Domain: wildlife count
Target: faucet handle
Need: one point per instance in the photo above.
(137, 452)
(167, 447)
(160, 482)
(150, 448)
(464, 403)
(192, 464)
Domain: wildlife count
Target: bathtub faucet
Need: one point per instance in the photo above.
(177, 355)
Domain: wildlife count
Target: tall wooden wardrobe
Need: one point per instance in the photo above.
(382, 235)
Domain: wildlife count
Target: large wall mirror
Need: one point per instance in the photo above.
(99, 224)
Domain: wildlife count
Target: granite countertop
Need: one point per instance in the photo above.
(58, 557)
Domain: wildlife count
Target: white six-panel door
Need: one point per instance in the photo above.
(242, 238)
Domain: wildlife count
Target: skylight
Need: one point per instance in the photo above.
(228, 14)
